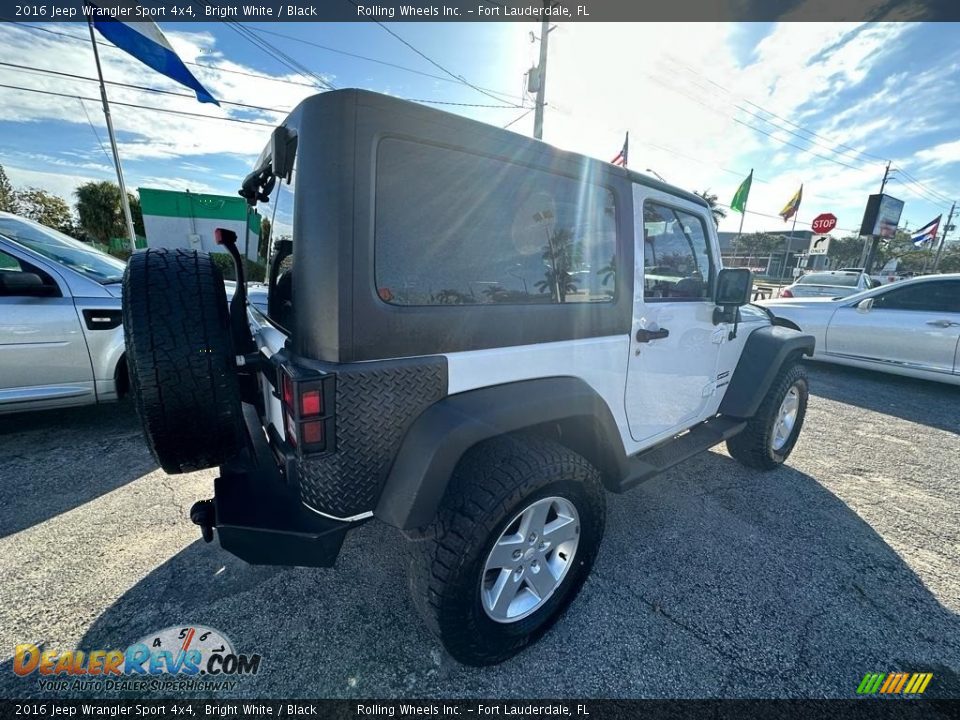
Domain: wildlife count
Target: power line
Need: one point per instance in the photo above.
(386, 63)
(218, 69)
(518, 119)
(832, 142)
(914, 180)
(279, 55)
(94, 129)
(85, 78)
(185, 113)
(439, 66)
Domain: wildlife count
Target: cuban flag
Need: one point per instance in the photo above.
(146, 43)
(926, 234)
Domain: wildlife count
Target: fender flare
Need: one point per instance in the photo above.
(438, 438)
(764, 353)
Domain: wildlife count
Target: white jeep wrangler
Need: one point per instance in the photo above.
(473, 336)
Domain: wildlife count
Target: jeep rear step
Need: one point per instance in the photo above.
(664, 456)
(260, 519)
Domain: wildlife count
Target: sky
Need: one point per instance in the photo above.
(825, 105)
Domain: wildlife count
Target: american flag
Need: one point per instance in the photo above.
(621, 158)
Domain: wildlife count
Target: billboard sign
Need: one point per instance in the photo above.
(882, 216)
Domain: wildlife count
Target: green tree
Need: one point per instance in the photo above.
(950, 259)
(711, 199)
(845, 251)
(263, 248)
(100, 212)
(46, 208)
(8, 198)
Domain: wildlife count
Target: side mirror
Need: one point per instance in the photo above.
(283, 149)
(25, 284)
(865, 305)
(733, 287)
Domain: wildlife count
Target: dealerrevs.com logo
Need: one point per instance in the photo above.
(176, 658)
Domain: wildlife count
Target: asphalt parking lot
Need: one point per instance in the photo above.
(713, 580)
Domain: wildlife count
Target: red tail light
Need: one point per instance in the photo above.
(311, 403)
(307, 399)
(786, 293)
(313, 432)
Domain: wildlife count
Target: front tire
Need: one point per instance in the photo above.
(772, 433)
(513, 543)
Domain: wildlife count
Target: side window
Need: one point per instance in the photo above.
(453, 228)
(20, 279)
(939, 296)
(676, 255)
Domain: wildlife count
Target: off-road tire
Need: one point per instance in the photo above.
(492, 483)
(180, 358)
(753, 446)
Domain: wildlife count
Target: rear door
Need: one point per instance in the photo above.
(43, 354)
(914, 326)
(674, 345)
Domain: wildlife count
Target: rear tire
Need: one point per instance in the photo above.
(497, 486)
(767, 442)
(180, 358)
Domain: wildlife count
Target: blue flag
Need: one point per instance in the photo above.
(146, 43)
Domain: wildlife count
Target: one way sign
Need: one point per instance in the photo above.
(819, 244)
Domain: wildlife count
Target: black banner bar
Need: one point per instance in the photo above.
(860, 709)
(484, 10)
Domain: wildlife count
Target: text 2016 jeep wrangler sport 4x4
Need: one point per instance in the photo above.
(473, 336)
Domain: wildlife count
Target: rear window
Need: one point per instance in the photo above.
(453, 228)
(829, 279)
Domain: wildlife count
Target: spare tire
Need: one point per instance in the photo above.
(180, 358)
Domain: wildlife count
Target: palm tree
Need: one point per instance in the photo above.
(711, 199)
(560, 255)
(609, 271)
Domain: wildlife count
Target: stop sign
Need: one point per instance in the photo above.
(824, 223)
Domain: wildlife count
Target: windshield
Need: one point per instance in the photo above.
(63, 249)
(829, 279)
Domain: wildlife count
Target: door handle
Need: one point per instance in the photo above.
(648, 335)
(942, 323)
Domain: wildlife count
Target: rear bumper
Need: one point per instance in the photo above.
(261, 519)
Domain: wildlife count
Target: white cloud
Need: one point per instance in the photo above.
(145, 133)
(942, 154)
(687, 88)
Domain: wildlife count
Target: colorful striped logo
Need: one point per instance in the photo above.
(894, 683)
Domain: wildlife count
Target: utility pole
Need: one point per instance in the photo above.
(943, 238)
(870, 245)
(541, 75)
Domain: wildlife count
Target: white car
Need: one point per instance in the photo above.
(909, 328)
(61, 332)
(829, 283)
(61, 335)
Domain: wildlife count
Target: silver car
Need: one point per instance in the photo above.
(829, 283)
(909, 328)
(61, 331)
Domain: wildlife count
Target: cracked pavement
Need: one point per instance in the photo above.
(713, 580)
